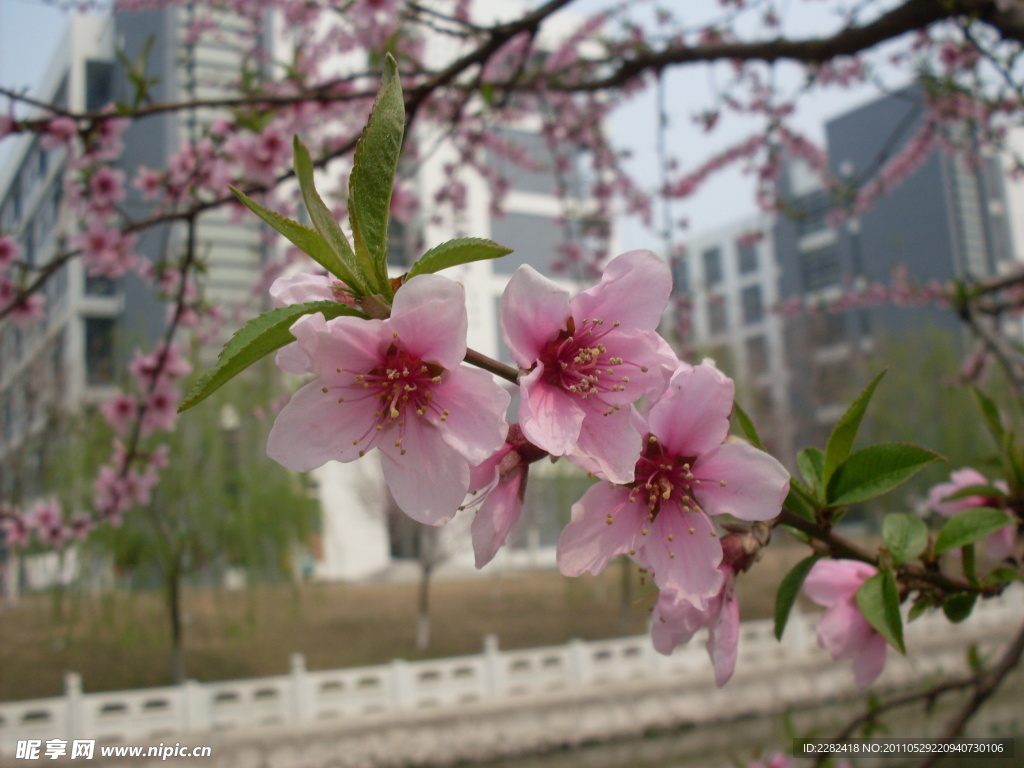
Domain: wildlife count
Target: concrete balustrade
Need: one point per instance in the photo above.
(500, 678)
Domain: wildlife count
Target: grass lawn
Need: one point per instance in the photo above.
(120, 640)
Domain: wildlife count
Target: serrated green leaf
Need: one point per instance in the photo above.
(462, 250)
(959, 606)
(811, 462)
(905, 536)
(373, 177)
(875, 470)
(970, 526)
(256, 339)
(840, 442)
(789, 588)
(879, 602)
(746, 426)
(307, 240)
(796, 503)
(989, 414)
(324, 222)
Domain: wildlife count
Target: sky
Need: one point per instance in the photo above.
(30, 30)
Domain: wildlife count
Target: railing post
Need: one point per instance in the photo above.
(494, 677)
(75, 709)
(579, 662)
(195, 708)
(300, 699)
(400, 689)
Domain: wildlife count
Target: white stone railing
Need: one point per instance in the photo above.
(494, 676)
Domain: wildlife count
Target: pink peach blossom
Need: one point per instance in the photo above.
(843, 631)
(1000, 544)
(397, 385)
(584, 361)
(676, 620)
(684, 476)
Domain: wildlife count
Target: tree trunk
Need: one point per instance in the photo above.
(423, 613)
(177, 624)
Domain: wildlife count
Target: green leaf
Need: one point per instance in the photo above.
(840, 442)
(324, 222)
(922, 604)
(256, 339)
(988, 491)
(454, 252)
(875, 470)
(905, 536)
(990, 415)
(373, 177)
(959, 606)
(879, 602)
(746, 426)
(789, 588)
(307, 240)
(1002, 575)
(811, 462)
(796, 503)
(970, 526)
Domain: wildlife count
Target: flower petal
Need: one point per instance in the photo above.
(612, 443)
(430, 480)
(693, 416)
(314, 428)
(634, 291)
(476, 404)
(724, 635)
(843, 631)
(833, 581)
(674, 622)
(497, 516)
(301, 288)
(533, 310)
(741, 481)
(869, 661)
(429, 316)
(684, 552)
(550, 418)
(588, 542)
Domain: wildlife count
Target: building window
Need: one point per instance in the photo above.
(820, 268)
(99, 350)
(717, 317)
(757, 355)
(681, 275)
(827, 328)
(712, 267)
(747, 257)
(753, 306)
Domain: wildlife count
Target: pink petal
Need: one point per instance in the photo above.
(588, 542)
(315, 428)
(300, 289)
(693, 416)
(429, 316)
(639, 350)
(430, 480)
(741, 481)
(533, 310)
(688, 563)
(869, 661)
(634, 291)
(611, 443)
(724, 636)
(1001, 544)
(843, 631)
(497, 516)
(674, 622)
(550, 418)
(475, 425)
(833, 581)
(298, 357)
(350, 343)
